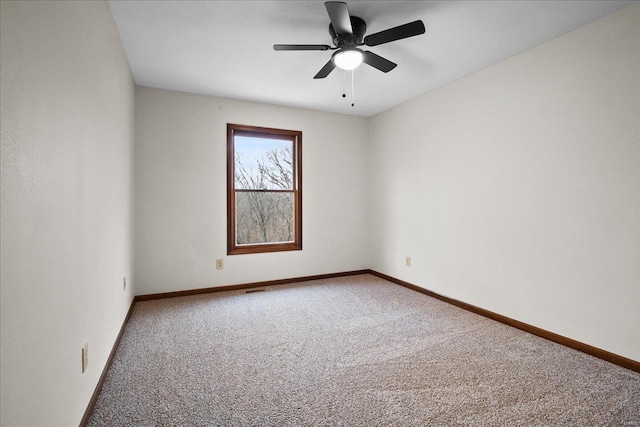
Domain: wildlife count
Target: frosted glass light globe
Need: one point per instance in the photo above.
(348, 59)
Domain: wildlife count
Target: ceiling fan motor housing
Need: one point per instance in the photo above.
(342, 41)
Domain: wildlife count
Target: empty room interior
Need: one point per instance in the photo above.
(210, 216)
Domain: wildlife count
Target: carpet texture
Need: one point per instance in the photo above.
(349, 351)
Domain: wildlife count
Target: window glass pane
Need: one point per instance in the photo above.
(263, 163)
(264, 217)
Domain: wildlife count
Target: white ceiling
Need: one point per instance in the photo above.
(224, 48)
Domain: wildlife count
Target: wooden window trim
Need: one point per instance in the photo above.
(296, 137)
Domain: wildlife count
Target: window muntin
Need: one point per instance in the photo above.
(264, 197)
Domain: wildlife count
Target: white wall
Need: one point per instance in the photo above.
(67, 117)
(517, 188)
(181, 200)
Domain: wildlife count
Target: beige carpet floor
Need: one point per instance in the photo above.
(349, 351)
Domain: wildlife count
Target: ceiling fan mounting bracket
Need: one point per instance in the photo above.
(349, 40)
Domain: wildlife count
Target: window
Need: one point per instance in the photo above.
(264, 189)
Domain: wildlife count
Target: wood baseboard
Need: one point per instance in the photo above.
(98, 389)
(247, 285)
(551, 336)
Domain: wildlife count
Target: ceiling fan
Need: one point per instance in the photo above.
(347, 34)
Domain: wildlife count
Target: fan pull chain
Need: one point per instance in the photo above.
(353, 94)
(344, 94)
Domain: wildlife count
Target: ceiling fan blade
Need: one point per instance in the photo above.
(396, 33)
(301, 47)
(339, 15)
(378, 62)
(324, 72)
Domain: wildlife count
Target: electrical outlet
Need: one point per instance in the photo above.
(219, 264)
(407, 261)
(85, 357)
(124, 283)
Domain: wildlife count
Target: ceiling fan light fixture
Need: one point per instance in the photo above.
(348, 59)
(347, 32)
